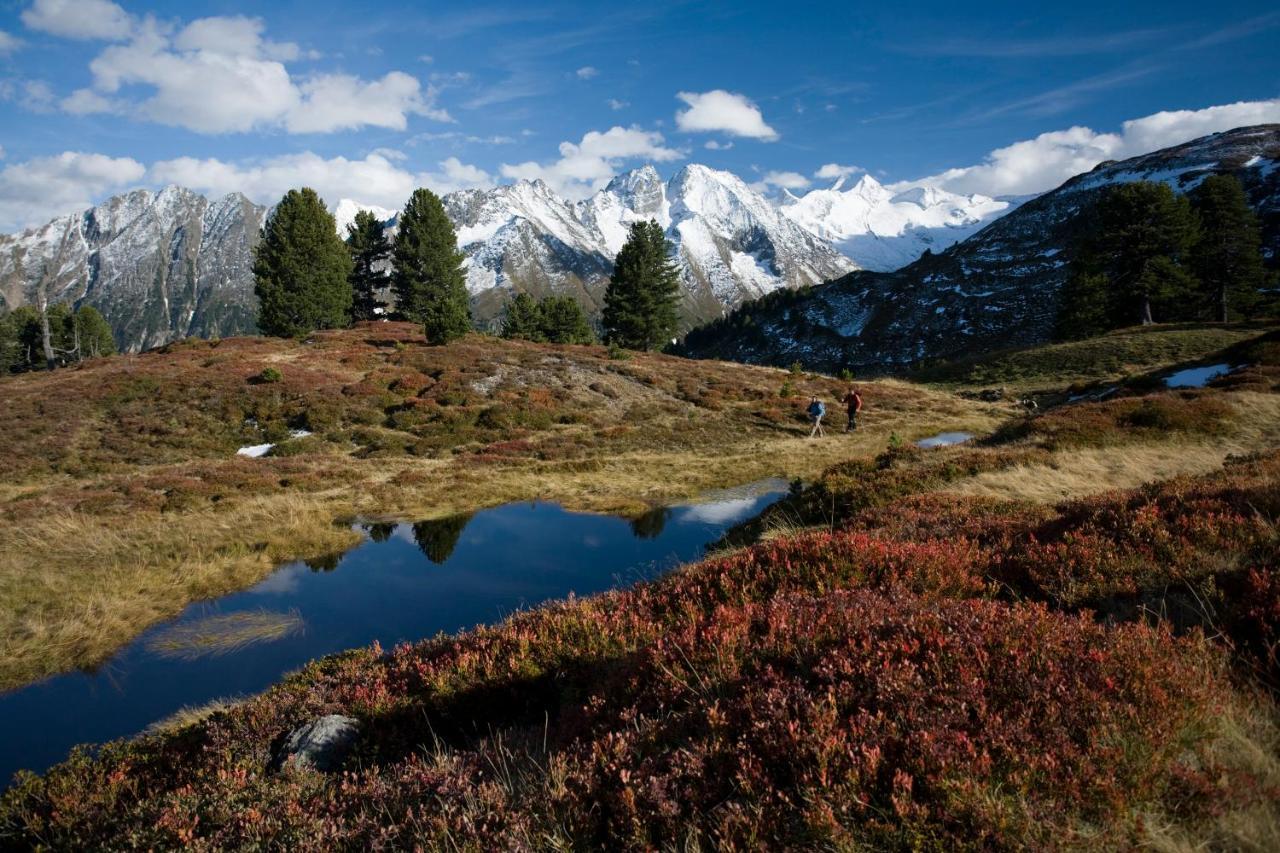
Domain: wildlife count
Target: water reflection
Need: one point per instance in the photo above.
(437, 539)
(482, 568)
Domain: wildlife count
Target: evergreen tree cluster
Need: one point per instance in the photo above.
(552, 319)
(307, 277)
(1152, 254)
(640, 304)
(74, 335)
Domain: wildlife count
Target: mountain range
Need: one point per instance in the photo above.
(170, 264)
(998, 288)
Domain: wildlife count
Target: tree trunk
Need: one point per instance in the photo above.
(46, 338)
(1222, 303)
(1146, 311)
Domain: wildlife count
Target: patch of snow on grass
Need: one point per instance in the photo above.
(255, 451)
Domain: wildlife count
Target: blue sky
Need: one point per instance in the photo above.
(367, 101)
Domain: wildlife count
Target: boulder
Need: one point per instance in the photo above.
(321, 744)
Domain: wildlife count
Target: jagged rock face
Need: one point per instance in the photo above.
(999, 288)
(729, 242)
(159, 266)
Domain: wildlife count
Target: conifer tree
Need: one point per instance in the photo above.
(91, 334)
(1085, 301)
(1228, 255)
(640, 303)
(427, 276)
(523, 320)
(1138, 223)
(370, 250)
(300, 269)
(562, 321)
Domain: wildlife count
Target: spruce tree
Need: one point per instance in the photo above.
(1138, 223)
(523, 320)
(1228, 255)
(370, 251)
(91, 333)
(640, 303)
(300, 269)
(427, 277)
(562, 321)
(1084, 304)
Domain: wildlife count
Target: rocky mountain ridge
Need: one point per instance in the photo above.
(998, 288)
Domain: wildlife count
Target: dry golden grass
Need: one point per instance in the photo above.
(75, 586)
(1247, 741)
(1079, 472)
(224, 633)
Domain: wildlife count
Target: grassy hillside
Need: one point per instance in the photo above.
(898, 664)
(122, 497)
(1112, 356)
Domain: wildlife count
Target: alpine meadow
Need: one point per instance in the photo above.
(668, 427)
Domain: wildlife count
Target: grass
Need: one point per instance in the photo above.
(1108, 357)
(125, 501)
(928, 673)
(224, 633)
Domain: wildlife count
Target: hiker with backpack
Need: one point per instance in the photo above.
(816, 411)
(853, 403)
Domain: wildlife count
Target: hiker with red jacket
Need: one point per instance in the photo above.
(853, 402)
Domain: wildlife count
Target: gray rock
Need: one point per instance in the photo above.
(321, 744)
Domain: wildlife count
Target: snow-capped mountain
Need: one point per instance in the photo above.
(883, 230)
(159, 266)
(344, 213)
(998, 288)
(729, 242)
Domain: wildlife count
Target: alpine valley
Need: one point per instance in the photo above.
(172, 264)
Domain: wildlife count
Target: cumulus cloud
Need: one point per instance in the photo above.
(1040, 164)
(784, 180)
(586, 72)
(35, 191)
(719, 111)
(222, 75)
(716, 145)
(836, 171)
(615, 104)
(587, 166)
(79, 19)
(380, 178)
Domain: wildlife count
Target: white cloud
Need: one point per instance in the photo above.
(380, 178)
(8, 43)
(1040, 164)
(785, 180)
(37, 190)
(341, 102)
(221, 75)
(34, 95)
(836, 171)
(716, 145)
(586, 72)
(615, 104)
(725, 112)
(588, 165)
(79, 19)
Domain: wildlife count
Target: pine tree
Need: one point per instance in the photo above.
(92, 334)
(523, 320)
(370, 251)
(562, 321)
(1228, 255)
(1084, 310)
(300, 269)
(1137, 223)
(428, 278)
(640, 303)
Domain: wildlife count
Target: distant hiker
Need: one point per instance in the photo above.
(852, 402)
(816, 411)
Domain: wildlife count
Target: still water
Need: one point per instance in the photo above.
(404, 582)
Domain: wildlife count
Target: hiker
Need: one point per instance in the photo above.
(816, 411)
(853, 402)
